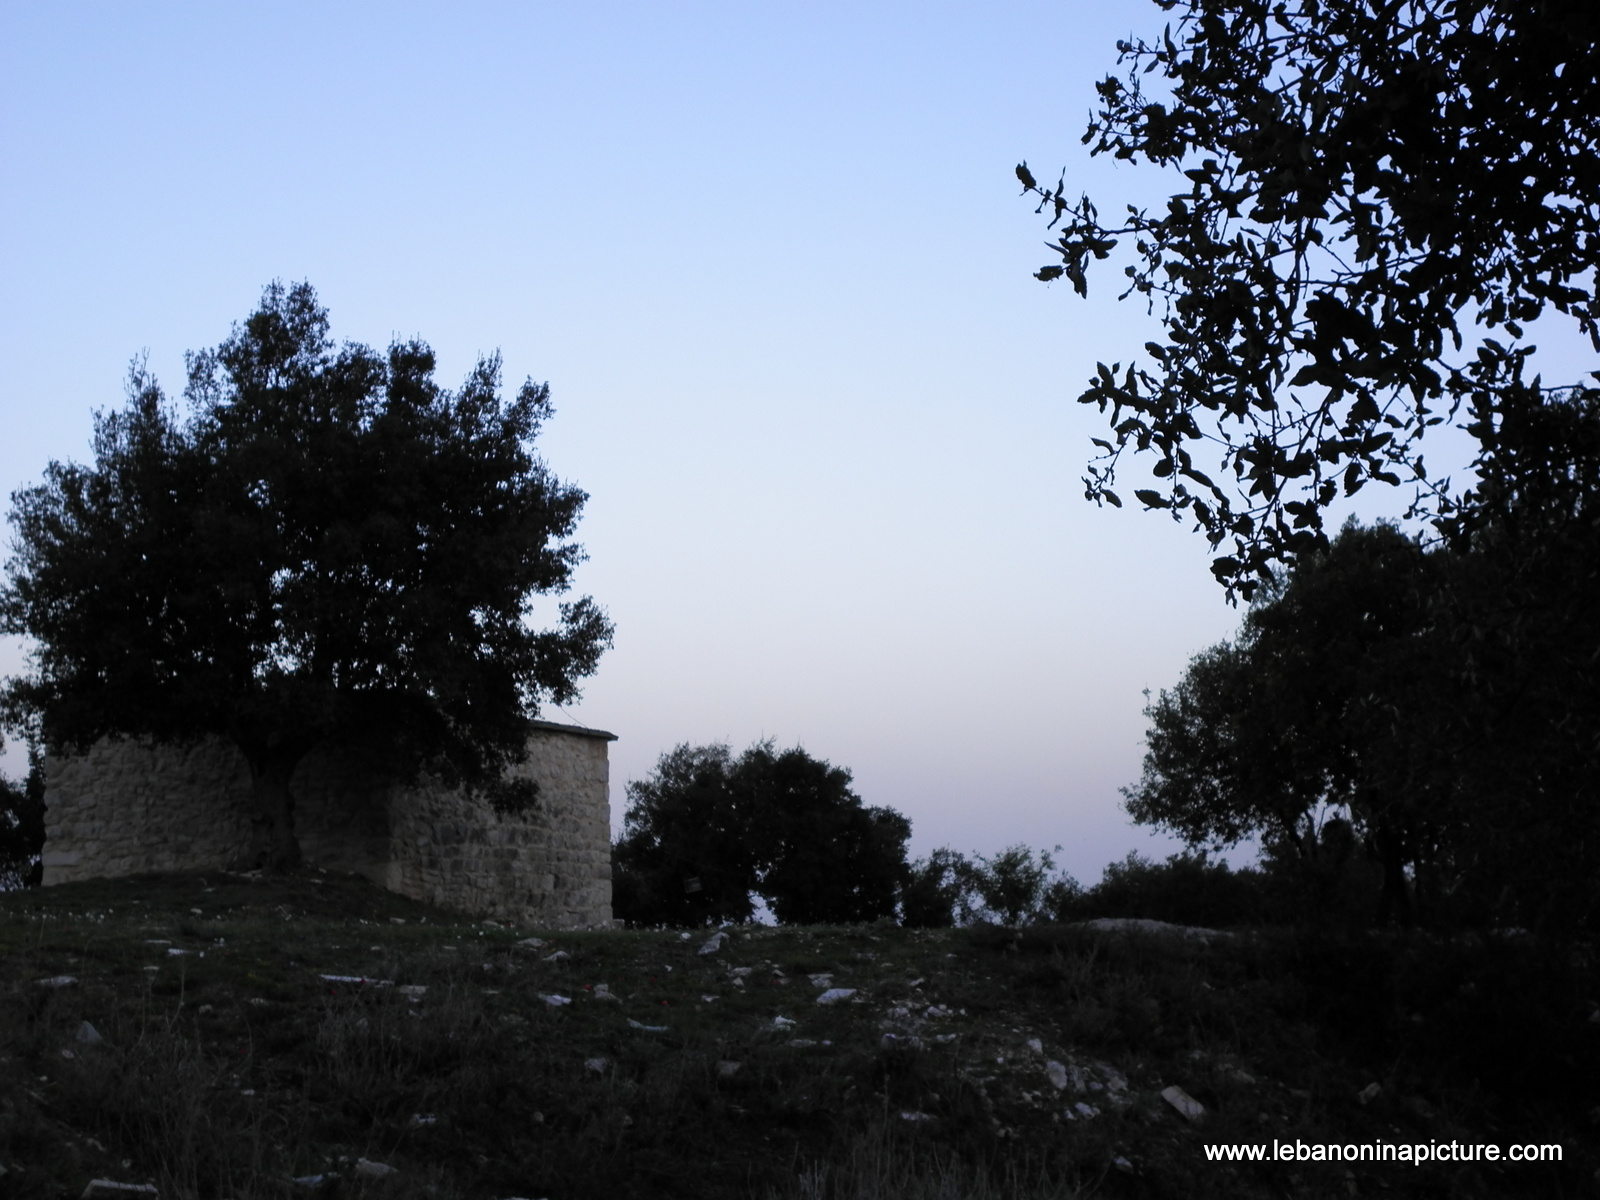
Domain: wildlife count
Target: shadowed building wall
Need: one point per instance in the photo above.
(125, 808)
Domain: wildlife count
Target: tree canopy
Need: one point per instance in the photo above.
(328, 548)
(1452, 722)
(1319, 705)
(1377, 200)
(708, 831)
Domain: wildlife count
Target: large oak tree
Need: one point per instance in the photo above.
(1447, 702)
(329, 548)
(707, 831)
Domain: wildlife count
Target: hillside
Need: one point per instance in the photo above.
(220, 1060)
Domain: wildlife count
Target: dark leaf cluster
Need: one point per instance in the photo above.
(707, 832)
(1370, 190)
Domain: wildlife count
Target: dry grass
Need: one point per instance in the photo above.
(234, 1068)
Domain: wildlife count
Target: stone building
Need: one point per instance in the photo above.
(125, 807)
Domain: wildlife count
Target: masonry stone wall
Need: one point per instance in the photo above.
(124, 808)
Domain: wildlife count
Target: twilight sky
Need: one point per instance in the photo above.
(772, 261)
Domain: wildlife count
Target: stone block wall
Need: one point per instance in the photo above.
(124, 808)
(552, 865)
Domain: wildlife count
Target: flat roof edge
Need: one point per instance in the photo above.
(579, 730)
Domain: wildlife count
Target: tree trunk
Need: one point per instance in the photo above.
(271, 766)
(1394, 904)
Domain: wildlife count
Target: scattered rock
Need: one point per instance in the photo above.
(397, 920)
(821, 980)
(727, 1070)
(597, 1065)
(532, 943)
(1036, 1045)
(1188, 1107)
(1369, 1093)
(413, 991)
(422, 1120)
(916, 1116)
(782, 1023)
(556, 1001)
(61, 981)
(1122, 1164)
(374, 1170)
(312, 1181)
(88, 1035)
(1116, 1081)
(602, 991)
(937, 1011)
(1056, 1073)
(558, 956)
(714, 943)
(632, 1024)
(836, 995)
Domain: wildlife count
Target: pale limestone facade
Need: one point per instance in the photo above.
(124, 808)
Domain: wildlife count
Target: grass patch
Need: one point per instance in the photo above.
(967, 1064)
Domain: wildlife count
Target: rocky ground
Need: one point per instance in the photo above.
(224, 1036)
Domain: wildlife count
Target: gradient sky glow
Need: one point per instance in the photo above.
(772, 261)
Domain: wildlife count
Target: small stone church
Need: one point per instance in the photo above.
(125, 807)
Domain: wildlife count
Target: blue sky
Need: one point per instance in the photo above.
(772, 261)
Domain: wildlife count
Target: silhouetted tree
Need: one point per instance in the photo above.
(707, 831)
(22, 826)
(1323, 702)
(1019, 885)
(1524, 597)
(1445, 701)
(939, 890)
(687, 855)
(331, 548)
(826, 858)
(1361, 183)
